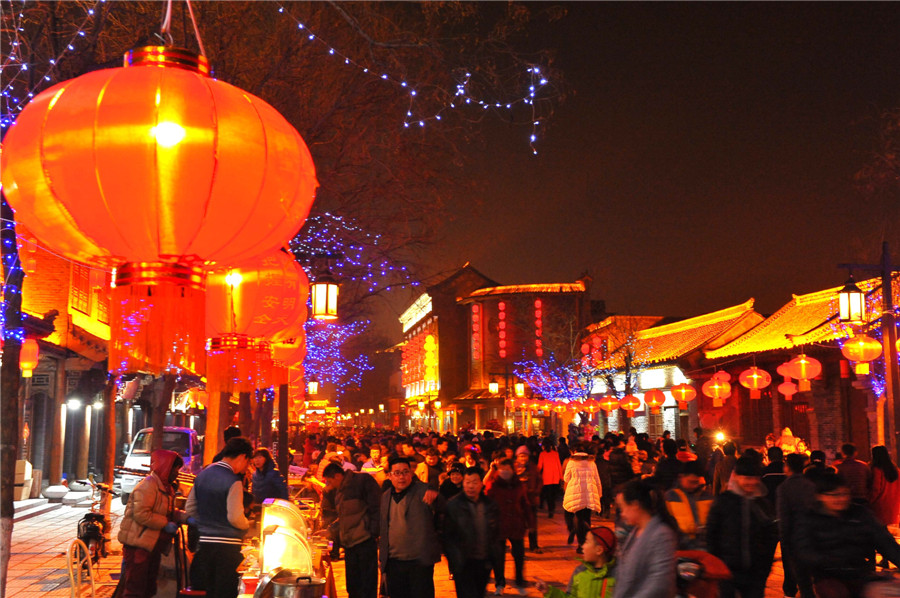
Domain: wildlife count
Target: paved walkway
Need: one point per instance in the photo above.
(38, 561)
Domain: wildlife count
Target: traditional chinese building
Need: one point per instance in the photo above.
(645, 353)
(435, 350)
(509, 325)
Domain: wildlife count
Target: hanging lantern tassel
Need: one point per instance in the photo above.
(157, 318)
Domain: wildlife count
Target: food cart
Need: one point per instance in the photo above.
(289, 557)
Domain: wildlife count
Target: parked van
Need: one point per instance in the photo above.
(183, 441)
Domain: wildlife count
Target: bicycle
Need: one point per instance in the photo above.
(93, 528)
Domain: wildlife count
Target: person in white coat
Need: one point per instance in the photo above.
(583, 493)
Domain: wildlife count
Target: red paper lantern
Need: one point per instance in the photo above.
(158, 170)
(654, 399)
(609, 404)
(29, 354)
(804, 368)
(716, 390)
(755, 379)
(684, 393)
(629, 403)
(788, 389)
(861, 349)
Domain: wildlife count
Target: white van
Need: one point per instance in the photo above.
(183, 441)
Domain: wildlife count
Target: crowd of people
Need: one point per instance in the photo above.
(397, 504)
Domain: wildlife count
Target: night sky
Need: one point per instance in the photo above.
(705, 157)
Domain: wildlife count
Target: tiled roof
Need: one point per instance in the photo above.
(673, 341)
(569, 287)
(806, 319)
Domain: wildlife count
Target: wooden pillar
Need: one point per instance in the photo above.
(58, 419)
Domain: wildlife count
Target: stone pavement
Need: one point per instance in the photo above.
(38, 558)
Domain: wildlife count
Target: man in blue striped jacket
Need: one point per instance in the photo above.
(217, 503)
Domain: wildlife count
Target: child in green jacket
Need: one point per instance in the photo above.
(593, 578)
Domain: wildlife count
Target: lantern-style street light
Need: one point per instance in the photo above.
(312, 387)
(888, 337)
(324, 297)
(852, 303)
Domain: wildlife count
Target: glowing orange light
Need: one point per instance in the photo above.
(755, 379)
(683, 393)
(861, 349)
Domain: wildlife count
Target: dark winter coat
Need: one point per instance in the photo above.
(268, 483)
(743, 532)
(841, 546)
(516, 514)
(460, 533)
(620, 470)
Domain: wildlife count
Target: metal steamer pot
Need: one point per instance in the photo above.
(283, 583)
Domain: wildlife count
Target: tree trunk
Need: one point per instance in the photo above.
(9, 384)
(162, 396)
(109, 442)
(245, 414)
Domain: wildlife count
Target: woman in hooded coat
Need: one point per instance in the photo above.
(149, 524)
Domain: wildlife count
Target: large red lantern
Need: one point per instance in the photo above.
(683, 393)
(654, 399)
(788, 389)
(804, 368)
(755, 379)
(861, 349)
(629, 403)
(156, 169)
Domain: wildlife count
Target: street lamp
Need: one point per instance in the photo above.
(324, 296)
(313, 387)
(888, 334)
(852, 303)
(493, 387)
(520, 389)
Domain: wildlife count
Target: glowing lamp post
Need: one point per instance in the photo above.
(520, 389)
(312, 388)
(493, 387)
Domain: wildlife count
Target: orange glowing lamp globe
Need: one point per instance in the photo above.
(788, 389)
(803, 368)
(861, 349)
(629, 403)
(29, 354)
(654, 399)
(684, 393)
(755, 379)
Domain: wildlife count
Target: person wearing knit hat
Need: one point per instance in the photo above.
(742, 530)
(595, 572)
(522, 450)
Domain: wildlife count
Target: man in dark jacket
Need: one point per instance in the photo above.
(669, 467)
(836, 541)
(357, 502)
(409, 545)
(794, 497)
(742, 531)
(620, 470)
(471, 536)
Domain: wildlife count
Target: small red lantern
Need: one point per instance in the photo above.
(654, 399)
(28, 357)
(629, 403)
(861, 349)
(755, 379)
(804, 368)
(788, 389)
(684, 393)
(716, 390)
(609, 404)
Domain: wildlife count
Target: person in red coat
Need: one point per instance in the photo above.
(516, 518)
(884, 495)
